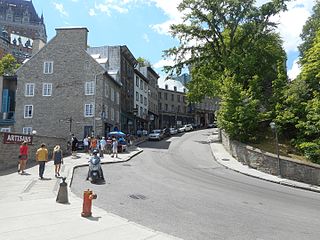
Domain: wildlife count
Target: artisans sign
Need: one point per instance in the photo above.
(11, 138)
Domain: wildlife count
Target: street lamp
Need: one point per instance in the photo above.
(273, 127)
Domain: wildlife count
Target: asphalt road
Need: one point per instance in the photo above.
(175, 186)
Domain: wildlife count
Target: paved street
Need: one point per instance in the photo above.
(176, 186)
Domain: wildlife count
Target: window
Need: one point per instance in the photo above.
(5, 130)
(137, 97)
(137, 81)
(112, 94)
(117, 97)
(165, 96)
(175, 88)
(107, 90)
(112, 114)
(172, 108)
(117, 116)
(141, 84)
(47, 89)
(141, 111)
(166, 107)
(28, 111)
(88, 110)
(166, 86)
(160, 95)
(145, 101)
(89, 88)
(172, 97)
(179, 108)
(29, 89)
(141, 98)
(48, 67)
(27, 130)
(160, 106)
(178, 98)
(107, 112)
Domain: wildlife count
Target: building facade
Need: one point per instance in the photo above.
(153, 100)
(174, 109)
(141, 99)
(121, 60)
(63, 90)
(20, 21)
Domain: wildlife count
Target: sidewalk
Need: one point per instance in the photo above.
(29, 210)
(223, 157)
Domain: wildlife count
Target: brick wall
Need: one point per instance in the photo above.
(268, 162)
(10, 152)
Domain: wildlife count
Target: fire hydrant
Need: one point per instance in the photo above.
(88, 195)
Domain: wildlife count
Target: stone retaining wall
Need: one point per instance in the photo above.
(268, 162)
(9, 152)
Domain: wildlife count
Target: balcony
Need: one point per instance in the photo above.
(6, 118)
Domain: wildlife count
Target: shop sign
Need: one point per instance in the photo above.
(12, 138)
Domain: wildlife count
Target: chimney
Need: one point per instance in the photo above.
(37, 44)
(73, 36)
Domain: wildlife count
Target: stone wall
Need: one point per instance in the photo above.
(10, 152)
(268, 162)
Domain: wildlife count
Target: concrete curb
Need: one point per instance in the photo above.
(87, 164)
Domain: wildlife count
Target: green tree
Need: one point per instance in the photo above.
(309, 31)
(8, 65)
(143, 62)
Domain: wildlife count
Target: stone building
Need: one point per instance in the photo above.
(121, 60)
(174, 110)
(153, 109)
(63, 90)
(140, 101)
(19, 19)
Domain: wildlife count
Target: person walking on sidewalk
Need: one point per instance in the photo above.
(42, 158)
(114, 147)
(23, 157)
(57, 160)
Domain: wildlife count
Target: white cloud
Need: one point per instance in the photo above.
(60, 8)
(291, 23)
(146, 37)
(163, 62)
(92, 12)
(295, 70)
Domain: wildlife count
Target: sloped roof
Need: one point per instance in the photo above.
(19, 7)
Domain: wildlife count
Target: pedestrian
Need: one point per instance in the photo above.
(57, 160)
(109, 145)
(103, 144)
(74, 144)
(42, 158)
(23, 157)
(93, 143)
(86, 144)
(114, 147)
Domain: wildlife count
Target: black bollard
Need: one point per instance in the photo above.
(63, 192)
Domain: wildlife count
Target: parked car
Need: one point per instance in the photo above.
(212, 125)
(156, 134)
(188, 127)
(182, 129)
(173, 131)
(166, 132)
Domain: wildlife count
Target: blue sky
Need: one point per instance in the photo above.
(143, 25)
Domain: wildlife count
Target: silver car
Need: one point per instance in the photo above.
(156, 134)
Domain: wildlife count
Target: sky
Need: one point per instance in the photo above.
(143, 25)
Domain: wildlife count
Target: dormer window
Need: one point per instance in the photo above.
(166, 86)
(175, 88)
